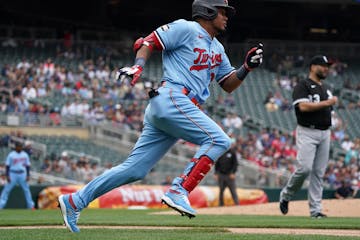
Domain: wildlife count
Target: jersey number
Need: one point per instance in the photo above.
(314, 98)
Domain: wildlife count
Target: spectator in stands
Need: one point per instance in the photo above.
(49, 68)
(232, 121)
(346, 144)
(229, 100)
(83, 107)
(345, 190)
(56, 168)
(46, 166)
(23, 64)
(330, 175)
(339, 133)
(41, 90)
(55, 117)
(336, 121)
(28, 147)
(278, 98)
(67, 90)
(74, 172)
(271, 106)
(75, 108)
(285, 83)
(109, 106)
(96, 170)
(29, 92)
(87, 172)
(3, 105)
(353, 152)
(286, 106)
(22, 105)
(97, 113)
(64, 161)
(65, 110)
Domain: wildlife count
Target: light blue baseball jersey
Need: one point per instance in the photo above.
(191, 57)
(18, 161)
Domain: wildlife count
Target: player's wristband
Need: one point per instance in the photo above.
(140, 62)
(241, 73)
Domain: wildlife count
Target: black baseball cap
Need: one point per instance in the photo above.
(320, 60)
(19, 144)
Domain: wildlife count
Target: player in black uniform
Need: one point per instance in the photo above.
(225, 169)
(313, 103)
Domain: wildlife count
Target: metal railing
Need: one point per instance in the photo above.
(180, 154)
(43, 178)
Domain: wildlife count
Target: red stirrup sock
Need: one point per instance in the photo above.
(201, 167)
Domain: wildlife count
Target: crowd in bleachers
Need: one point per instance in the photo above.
(25, 86)
(88, 91)
(78, 168)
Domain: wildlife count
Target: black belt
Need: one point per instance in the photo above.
(17, 171)
(315, 127)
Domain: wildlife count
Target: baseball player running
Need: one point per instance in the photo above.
(192, 58)
(313, 103)
(17, 172)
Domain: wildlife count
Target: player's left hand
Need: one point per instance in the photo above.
(131, 74)
(254, 57)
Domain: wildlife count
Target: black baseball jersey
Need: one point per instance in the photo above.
(309, 91)
(227, 163)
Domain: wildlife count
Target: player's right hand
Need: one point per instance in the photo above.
(254, 57)
(333, 100)
(131, 74)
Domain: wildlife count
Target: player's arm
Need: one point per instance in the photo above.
(143, 48)
(7, 167)
(315, 106)
(27, 173)
(7, 172)
(253, 59)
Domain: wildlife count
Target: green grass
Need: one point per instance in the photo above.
(203, 226)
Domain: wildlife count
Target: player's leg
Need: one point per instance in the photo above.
(182, 119)
(7, 189)
(317, 173)
(25, 187)
(150, 147)
(232, 187)
(306, 141)
(222, 186)
(148, 150)
(176, 115)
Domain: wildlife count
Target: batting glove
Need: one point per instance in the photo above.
(254, 57)
(127, 74)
